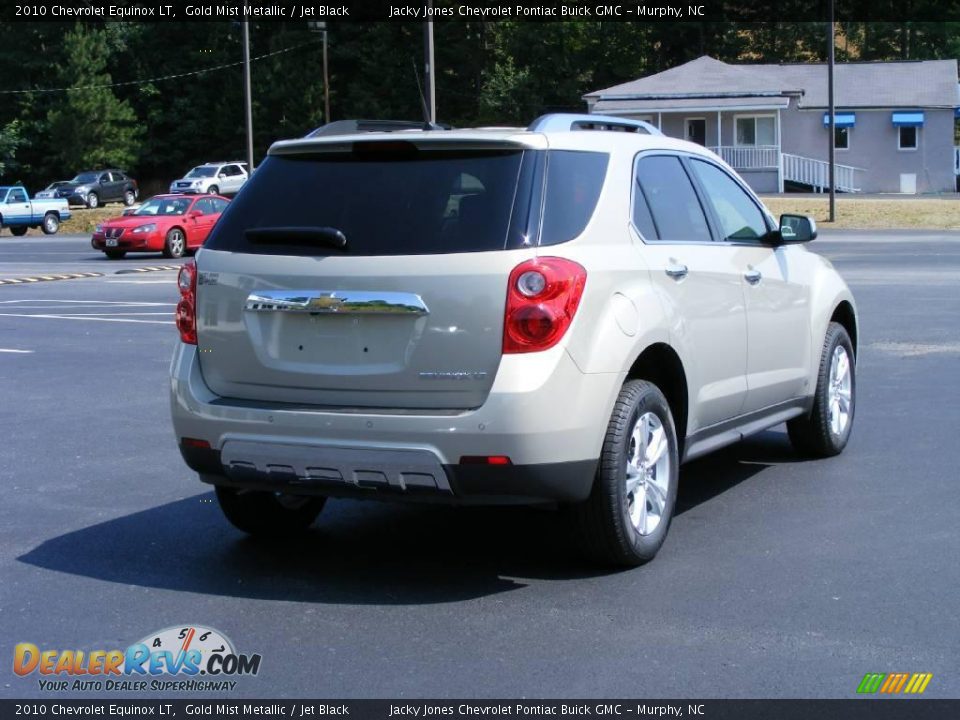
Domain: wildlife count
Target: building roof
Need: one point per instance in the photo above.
(916, 84)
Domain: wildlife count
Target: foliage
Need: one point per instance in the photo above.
(176, 95)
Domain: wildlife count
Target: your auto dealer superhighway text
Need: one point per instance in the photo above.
(530, 710)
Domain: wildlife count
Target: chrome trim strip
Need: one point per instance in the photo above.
(357, 302)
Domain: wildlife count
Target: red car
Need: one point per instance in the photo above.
(171, 224)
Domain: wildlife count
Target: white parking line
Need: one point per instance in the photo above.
(12, 350)
(87, 317)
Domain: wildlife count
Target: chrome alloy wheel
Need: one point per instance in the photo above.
(648, 473)
(840, 391)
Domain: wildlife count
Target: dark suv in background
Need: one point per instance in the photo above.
(93, 188)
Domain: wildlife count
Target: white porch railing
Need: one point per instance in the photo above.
(816, 173)
(956, 160)
(749, 157)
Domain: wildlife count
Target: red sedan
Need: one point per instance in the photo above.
(171, 224)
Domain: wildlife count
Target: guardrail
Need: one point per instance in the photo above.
(816, 173)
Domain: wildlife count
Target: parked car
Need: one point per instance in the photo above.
(50, 191)
(93, 188)
(171, 224)
(561, 314)
(225, 178)
(19, 213)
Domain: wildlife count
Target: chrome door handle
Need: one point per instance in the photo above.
(677, 271)
(753, 276)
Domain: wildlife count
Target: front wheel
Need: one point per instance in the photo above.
(93, 200)
(175, 244)
(826, 430)
(19, 230)
(626, 518)
(268, 514)
(51, 223)
(213, 190)
(115, 254)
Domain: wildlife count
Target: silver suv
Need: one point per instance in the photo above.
(223, 178)
(562, 314)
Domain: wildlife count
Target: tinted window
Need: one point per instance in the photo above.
(387, 199)
(218, 205)
(17, 196)
(642, 218)
(739, 216)
(204, 206)
(574, 181)
(675, 209)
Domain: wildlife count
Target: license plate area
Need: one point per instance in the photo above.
(111, 242)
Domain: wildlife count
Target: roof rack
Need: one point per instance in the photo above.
(350, 127)
(562, 122)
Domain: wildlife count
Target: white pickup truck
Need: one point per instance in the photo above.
(18, 212)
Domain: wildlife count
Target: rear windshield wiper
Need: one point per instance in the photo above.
(329, 236)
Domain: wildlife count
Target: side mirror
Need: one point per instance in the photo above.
(194, 214)
(222, 175)
(797, 229)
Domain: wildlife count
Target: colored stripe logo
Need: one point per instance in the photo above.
(895, 683)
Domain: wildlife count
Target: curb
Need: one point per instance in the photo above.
(46, 278)
(154, 268)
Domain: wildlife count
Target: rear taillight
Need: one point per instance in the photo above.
(542, 298)
(187, 307)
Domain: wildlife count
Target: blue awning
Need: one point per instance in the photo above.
(840, 120)
(956, 113)
(914, 118)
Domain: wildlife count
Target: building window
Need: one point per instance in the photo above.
(759, 130)
(841, 138)
(908, 138)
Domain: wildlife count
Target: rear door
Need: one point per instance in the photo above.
(408, 313)
(201, 225)
(699, 283)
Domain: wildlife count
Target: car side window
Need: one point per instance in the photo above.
(218, 205)
(740, 218)
(675, 211)
(17, 196)
(203, 206)
(231, 170)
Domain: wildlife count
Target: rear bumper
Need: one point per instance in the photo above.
(549, 420)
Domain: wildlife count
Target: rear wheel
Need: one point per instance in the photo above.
(268, 514)
(51, 223)
(19, 230)
(175, 244)
(115, 254)
(129, 197)
(626, 518)
(826, 430)
(93, 200)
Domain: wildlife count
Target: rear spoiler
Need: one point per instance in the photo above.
(352, 127)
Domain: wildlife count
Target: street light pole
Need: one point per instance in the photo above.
(430, 81)
(833, 133)
(326, 79)
(247, 92)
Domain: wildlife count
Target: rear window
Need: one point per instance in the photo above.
(574, 181)
(399, 200)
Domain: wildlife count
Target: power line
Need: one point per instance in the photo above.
(162, 78)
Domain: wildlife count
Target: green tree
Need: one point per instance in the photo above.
(10, 140)
(91, 127)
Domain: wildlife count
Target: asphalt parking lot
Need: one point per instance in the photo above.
(780, 577)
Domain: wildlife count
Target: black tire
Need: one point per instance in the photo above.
(608, 534)
(93, 200)
(267, 514)
(175, 244)
(115, 254)
(213, 190)
(129, 198)
(51, 223)
(18, 230)
(814, 435)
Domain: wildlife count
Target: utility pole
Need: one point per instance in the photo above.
(247, 92)
(832, 109)
(321, 27)
(429, 79)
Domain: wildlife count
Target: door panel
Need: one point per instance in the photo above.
(700, 285)
(778, 324)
